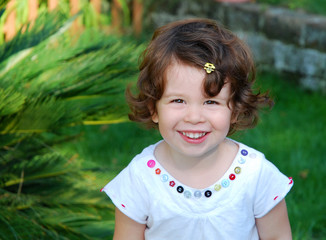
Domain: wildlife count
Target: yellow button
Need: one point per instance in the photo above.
(217, 187)
(237, 170)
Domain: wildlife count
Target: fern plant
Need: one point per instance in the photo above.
(51, 81)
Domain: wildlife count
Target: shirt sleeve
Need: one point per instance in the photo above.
(272, 187)
(128, 194)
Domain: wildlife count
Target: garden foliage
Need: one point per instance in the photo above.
(50, 81)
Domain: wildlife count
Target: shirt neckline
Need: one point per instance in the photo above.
(229, 177)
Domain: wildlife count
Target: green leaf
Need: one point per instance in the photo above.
(10, 101)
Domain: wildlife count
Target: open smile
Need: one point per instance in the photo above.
(194, 135)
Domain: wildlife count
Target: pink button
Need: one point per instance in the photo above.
(151, 163)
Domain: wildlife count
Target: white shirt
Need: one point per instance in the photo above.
(148, 194)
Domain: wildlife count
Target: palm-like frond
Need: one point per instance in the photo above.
(3, 3)
(50, 81)
(31, 35)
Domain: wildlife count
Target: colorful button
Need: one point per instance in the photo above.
(291, 180)
(197, 194)
(180, 189)
(225, 183)
(241, 160)
(244, 152)
(232, 176)
(187, 194)
(252, 155)
(158, 171)
(164, 178)
(237, 170)
(151, 163)
(217, 187)
(172, 183)
(208, 193)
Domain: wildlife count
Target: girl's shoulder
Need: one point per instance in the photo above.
(246, 152)
(254, 162)
(145, 156)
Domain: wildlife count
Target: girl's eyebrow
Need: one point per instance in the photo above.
(172, 94)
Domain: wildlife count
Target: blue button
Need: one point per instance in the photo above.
(197, 194)
(164, 178)
(244, 152)
(241, 160)
(187, 194)
(225, 183)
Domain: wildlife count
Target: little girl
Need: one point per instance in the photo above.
(195, 85)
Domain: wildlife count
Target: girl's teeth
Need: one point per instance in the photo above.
(193, 135)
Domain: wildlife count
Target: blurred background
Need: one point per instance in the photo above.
(64, 132)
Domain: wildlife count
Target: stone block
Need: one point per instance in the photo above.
(243, 16)
(315, 33)
(313, 83)
(280, 39)
(284, 25)
(260, 47)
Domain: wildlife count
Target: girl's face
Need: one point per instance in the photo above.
(191, 124)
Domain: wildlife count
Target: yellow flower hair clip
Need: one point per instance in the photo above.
(209, 67)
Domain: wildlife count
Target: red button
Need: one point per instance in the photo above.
(172, 183)
(158, 171)
(232, 176)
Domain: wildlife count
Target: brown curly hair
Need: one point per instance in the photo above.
(195, 42)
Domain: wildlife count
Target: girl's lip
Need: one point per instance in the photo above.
(194, 137)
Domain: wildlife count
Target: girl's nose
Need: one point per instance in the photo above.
(193, 115)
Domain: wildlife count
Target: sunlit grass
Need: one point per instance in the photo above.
(291, 135)
(311, 6)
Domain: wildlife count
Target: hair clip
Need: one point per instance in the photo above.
(209, 67)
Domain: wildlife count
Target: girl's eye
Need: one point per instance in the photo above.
(177, 101)
(209, 102)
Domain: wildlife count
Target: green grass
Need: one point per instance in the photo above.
(292, 135)
(311, 6)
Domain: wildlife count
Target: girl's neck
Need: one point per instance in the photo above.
(197, 172)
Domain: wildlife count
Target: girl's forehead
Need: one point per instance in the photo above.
(181, 77)
(179, 72)
(177, 67)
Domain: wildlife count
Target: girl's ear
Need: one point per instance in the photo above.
(155, 117)
(153, 113)
(234, 117)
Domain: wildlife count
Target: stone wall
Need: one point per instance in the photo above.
(281, 40)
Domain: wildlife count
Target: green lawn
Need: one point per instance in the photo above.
(311, 6)
(292, 135)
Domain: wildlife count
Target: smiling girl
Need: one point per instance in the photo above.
(195, 86)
